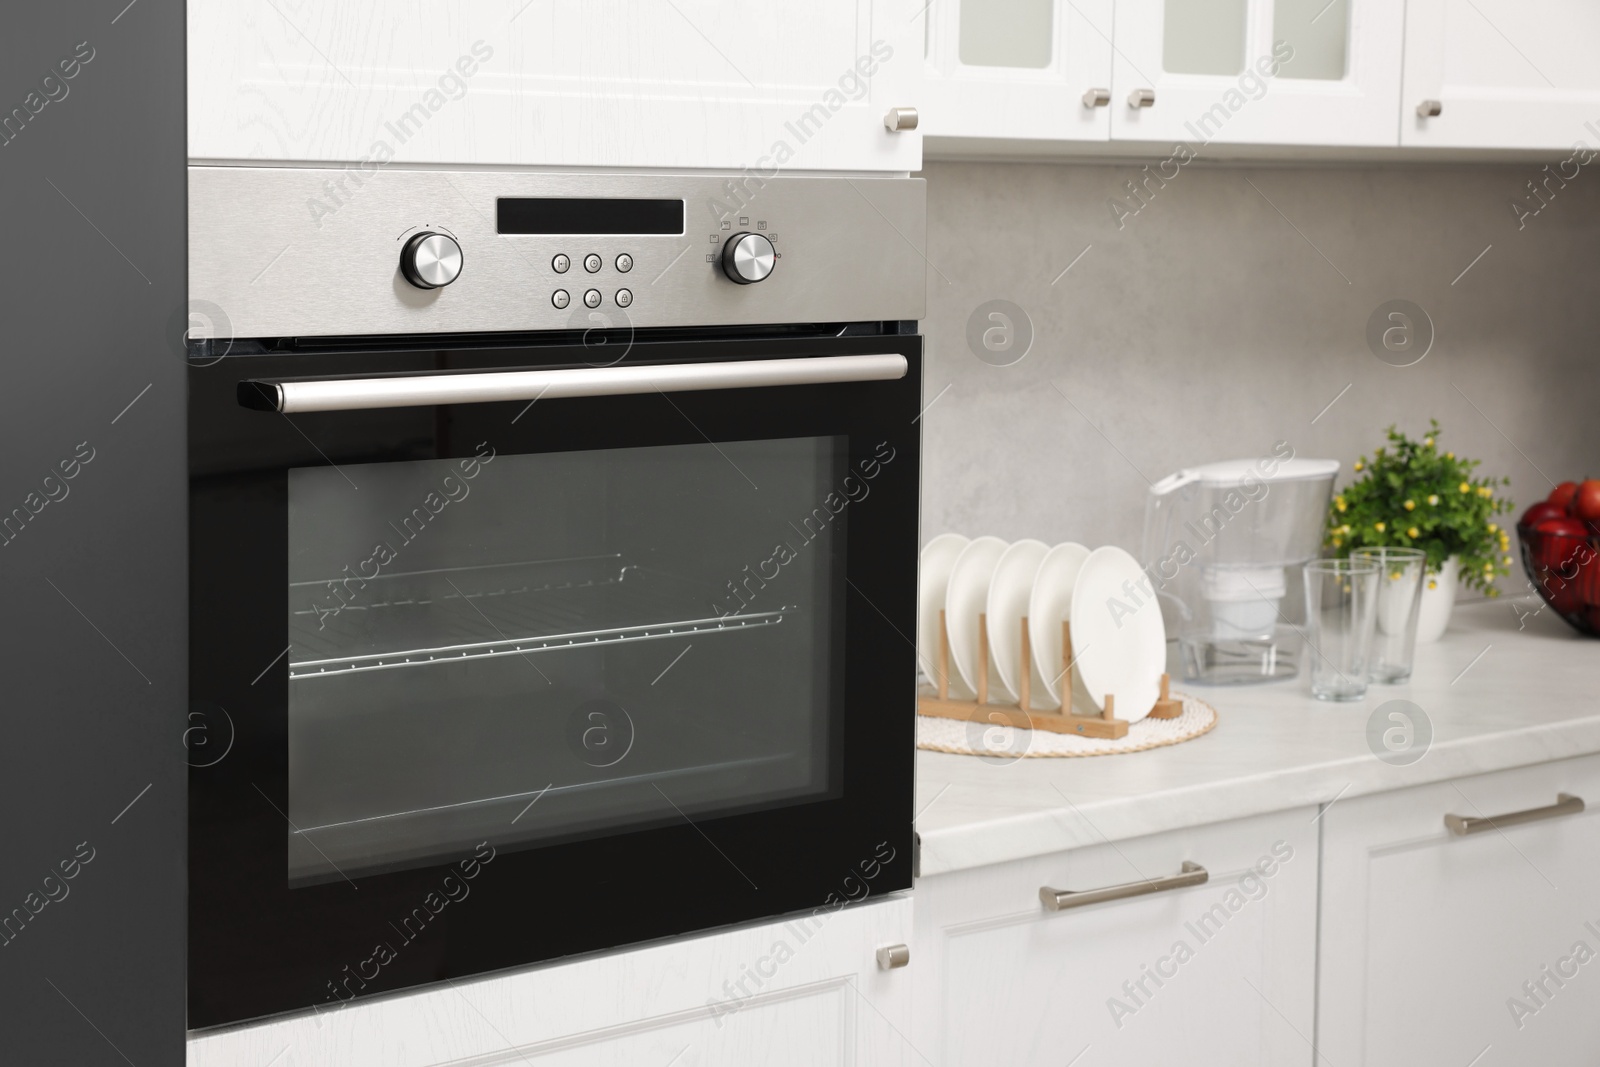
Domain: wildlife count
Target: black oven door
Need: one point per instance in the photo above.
(492, 665)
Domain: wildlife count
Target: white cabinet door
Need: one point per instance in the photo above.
(1291, 72)
(1481, 949)
(1505, 73)
(734, 84)
(1018, 69)
(1219, 973)
(803, 993)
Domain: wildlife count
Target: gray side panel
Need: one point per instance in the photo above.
(92, 566)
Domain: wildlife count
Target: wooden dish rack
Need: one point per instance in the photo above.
(1060, 721)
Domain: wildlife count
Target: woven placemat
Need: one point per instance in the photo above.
(997, 740)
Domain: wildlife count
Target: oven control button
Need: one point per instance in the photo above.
(624, 263)
(592, 262)
(591, 298)
(624, 298)
(561, 263)
(747, 258)
(560, 298)
(430, 260)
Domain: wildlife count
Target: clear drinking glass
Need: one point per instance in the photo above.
(1401, 572)
(1341, 611)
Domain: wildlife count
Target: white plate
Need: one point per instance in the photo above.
(1009, 591)
(1050, 605)
(966, 599)
(1117, 634)
(933, 578)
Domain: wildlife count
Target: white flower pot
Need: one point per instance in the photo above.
(1438, 601)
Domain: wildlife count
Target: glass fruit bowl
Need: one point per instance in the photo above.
(1565, 569)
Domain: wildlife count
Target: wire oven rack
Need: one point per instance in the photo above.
(474, 613)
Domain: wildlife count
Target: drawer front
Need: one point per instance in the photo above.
(1154, 974)
(802, 993)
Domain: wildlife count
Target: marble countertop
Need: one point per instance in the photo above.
(1497, 696)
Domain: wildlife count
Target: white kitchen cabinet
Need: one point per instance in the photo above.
(1289, 72)
(795, 994)
(1504, 73)
(1216, 973)
(730, 84)
(1286, 72)
(1023, 69)
(1484, 948)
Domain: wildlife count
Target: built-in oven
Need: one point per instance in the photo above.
(524, 625)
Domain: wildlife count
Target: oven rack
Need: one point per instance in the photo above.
(444, 622)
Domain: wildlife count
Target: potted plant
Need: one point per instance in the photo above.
(1411, 495)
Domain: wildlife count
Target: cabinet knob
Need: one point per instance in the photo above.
(1096, 97)
(1429, 109)
(1142, 98)
(900, 118)
(891, 957)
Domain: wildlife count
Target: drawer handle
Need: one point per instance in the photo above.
(1429, 109)
(1062, 899)
(1093, 98)
(1462, 825)
(1142, 98)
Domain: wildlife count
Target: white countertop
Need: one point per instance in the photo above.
(1497, 697)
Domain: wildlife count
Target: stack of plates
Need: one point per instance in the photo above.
(1118, 638)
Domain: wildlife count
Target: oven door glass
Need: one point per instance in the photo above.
(597, 639)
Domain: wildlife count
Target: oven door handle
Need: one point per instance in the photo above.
(483, 387)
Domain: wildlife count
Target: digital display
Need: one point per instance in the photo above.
(587, 215)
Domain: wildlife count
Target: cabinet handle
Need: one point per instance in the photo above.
(891, 957)
(1429, 109)
(1462, 825)
(1142, 98)
(1062, 899)
(900, 118)
(1096, 97)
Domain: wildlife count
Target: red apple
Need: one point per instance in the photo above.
(1562, 546)
(1561, 496)
(1586, 502)
(1541, 512)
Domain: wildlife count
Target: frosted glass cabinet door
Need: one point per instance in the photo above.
(761, 85)
(1505, 74)
(1017, 69)
(1312, 72)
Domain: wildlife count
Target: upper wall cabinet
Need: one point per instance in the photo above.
(1500, 73)
(731, 84)
(1024, 69)
(1309, 72)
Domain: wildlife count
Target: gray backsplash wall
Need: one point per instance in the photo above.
(1228, 313)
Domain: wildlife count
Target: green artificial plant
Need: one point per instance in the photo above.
(1411, 495)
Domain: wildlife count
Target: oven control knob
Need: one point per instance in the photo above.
(748, 258)
(431, 260)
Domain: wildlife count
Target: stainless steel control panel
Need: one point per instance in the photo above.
(296, 251)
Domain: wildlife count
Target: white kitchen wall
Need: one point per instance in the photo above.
(1228, 311)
